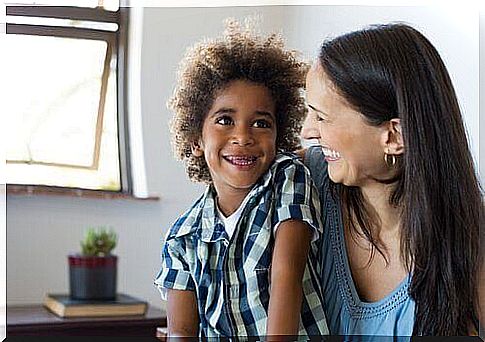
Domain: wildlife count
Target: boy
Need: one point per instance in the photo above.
(235, 264)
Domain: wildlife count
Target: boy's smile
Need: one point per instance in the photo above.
(241, 161)
(238, 140)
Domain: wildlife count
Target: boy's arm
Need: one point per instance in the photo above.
(182, 316)
(177, 287)
(292, 244)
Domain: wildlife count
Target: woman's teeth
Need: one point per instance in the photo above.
(330, 153)
(241, 160)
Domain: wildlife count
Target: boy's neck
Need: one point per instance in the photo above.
(229, 202)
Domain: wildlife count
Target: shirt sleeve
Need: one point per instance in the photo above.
(296, 198)
(175, 271)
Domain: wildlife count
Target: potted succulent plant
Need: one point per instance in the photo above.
(92, 274)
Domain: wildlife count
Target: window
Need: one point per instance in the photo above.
(65, 100)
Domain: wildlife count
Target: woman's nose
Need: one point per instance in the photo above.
(310, 130)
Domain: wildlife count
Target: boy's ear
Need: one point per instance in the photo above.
(392, 138)
(197, 149)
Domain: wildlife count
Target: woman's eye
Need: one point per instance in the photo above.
(262, 124)
(224, 120)
(321, 118)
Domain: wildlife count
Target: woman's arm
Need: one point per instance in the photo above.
(182, 316)
(290, 253)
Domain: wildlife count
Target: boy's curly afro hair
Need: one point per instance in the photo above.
(238, 55)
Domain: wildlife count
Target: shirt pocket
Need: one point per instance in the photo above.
(263, 277)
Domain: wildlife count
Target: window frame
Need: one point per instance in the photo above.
(117, 43)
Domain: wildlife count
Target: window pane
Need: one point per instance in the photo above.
(55, 97)
(53, 108)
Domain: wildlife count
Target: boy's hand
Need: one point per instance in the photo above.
(182, 316)
(290, 253)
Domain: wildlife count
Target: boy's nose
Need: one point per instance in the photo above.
(243, 137)
(309, 129)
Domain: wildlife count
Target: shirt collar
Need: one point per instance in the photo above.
(211, 227)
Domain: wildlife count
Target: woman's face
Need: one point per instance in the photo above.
(353, 149)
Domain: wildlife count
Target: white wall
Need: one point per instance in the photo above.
(42, 230)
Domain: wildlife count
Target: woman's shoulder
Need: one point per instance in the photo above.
(301, 154)
(314, 160)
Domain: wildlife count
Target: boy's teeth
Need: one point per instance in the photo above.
(241, 160)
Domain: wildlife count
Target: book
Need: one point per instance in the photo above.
(123, 305)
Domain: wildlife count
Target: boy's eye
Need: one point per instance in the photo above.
(224, 120)
(262, 123)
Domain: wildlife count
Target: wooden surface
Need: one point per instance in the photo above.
(35, 320)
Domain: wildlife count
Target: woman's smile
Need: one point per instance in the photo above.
(330, 155)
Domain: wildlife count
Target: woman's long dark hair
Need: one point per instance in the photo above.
(393, 71)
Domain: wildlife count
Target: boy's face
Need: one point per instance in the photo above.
(239, 137)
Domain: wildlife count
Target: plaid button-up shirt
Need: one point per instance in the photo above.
(231, 275)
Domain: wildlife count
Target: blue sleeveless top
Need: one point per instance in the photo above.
(346, 314)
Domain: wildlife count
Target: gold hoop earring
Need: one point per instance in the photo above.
(392, 162)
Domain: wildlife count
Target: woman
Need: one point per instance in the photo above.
(400, 196)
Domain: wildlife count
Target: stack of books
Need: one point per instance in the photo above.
(123, 305)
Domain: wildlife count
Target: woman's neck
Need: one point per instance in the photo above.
(377, 197)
